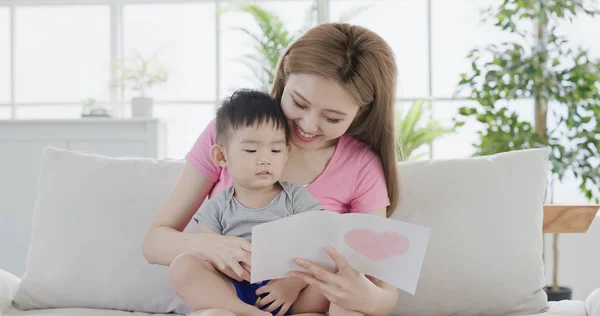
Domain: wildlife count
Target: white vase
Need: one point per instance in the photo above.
(142, 107)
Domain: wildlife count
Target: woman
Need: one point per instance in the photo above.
(336, 84)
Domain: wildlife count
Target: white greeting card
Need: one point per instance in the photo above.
(390, 250)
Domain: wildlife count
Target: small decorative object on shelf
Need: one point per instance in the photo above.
(139, 74)
(92, 108)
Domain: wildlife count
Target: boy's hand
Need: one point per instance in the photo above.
(282, 292)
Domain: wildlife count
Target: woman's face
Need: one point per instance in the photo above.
(318, 109)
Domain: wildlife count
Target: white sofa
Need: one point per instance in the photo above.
(92, 212)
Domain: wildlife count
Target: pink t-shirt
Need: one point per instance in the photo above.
(353, 180)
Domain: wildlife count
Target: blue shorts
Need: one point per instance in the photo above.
(246, 292)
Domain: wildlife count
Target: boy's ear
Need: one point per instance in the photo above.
(288, 149)
(218, 156)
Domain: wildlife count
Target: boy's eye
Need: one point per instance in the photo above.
(250, 150)
(276, 150)
(330, 120)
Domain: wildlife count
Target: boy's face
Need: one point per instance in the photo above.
(255, 156)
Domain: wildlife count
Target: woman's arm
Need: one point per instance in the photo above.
(165, 239)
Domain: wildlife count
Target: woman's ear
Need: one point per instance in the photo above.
(217, 153)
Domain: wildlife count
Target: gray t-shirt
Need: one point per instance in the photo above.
(224, 215)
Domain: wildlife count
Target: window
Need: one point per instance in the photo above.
(62, 53)
(183, 37)
(4, 56)
(460, 143)
(583, 32)
(568, 192)
(237, 46)
(403, 24)
(185, 122)
(48, 111)
(457, 29)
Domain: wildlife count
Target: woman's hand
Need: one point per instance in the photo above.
(230, 255)
(349, 289)
(282, 293)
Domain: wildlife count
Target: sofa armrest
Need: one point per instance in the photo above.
(8, 286)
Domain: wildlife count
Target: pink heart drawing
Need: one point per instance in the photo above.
(377, 246)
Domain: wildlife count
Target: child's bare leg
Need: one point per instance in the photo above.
(335, 310)
(202, 287)
(310, 301)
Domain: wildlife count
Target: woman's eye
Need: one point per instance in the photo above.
(334, 121)
(299, 105)
(250, 151)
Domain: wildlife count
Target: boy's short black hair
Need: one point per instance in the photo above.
(246, 108)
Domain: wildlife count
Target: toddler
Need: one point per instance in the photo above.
(252, 145)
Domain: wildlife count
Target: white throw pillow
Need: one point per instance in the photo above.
(91, 215)
(8, 285)
(485, 250)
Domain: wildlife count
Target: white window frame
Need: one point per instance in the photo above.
(116, 48)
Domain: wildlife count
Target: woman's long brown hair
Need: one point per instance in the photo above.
(364, 64)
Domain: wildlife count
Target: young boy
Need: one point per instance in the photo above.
(252, 144)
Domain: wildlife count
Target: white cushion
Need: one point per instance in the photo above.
(78, 312)
(592, 303)
(91, 215)
(485, 250)
(8, 285)
(484, 256)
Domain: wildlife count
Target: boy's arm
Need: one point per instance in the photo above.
(208, 216)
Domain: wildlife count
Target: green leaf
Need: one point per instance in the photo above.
(565, 80)
(412, 117)
(414, 132)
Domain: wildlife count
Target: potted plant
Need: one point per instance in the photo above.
(413, 134)
(140, 74)
(562, 83)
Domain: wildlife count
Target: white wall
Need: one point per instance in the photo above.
(579, 260)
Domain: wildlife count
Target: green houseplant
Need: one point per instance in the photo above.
(269, 43)
(413, 134)
(562, 86)
(139, 74)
